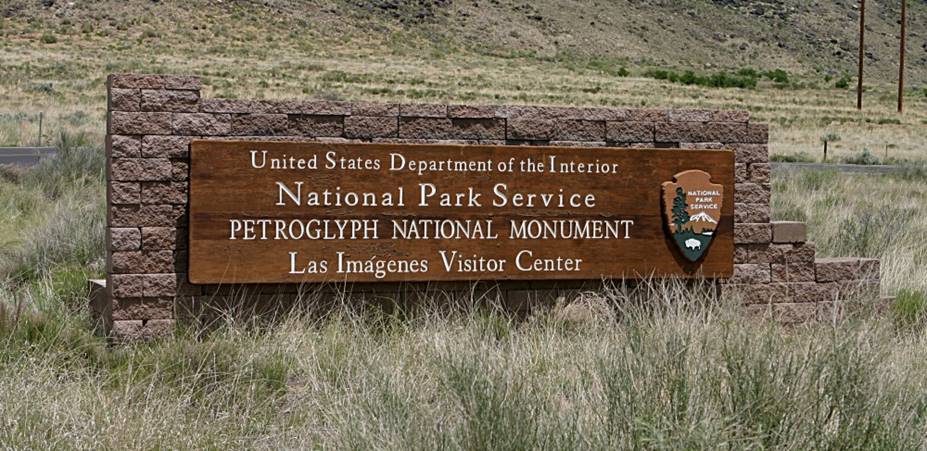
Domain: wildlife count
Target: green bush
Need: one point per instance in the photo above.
(800, 157)
(716, 80)
(909, 308)
(864, 158)
(777, 75)
(843, 82)
(48, 38)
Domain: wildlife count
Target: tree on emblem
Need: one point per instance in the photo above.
(680, 215)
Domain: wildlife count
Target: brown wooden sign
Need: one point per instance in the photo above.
(285, 212)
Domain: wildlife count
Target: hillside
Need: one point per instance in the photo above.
(56, 54)
(806, 37)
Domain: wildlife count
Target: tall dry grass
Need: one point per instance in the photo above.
(679, 371)
(652, 366)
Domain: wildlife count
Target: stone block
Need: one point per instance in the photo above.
(143, 308)
(691, 115)
(236, 106)
(164, 193)
(751, 193)
(374, 109)
(180, 170)
(166, 146)
(312, 107)
(170, 100)
(741, 254)
(140, 169)
(759, 173)
(837, 269)
(153, 238)
(127, 285)
(748, 233)
(560, 113)
(124, 99)
(371, 126)
(750, 273)
(783, 253)
(422, 110)
(755, 134)
(143, 215)
(789, 232)
(123, 146)
(125, 239)
(133, 123)
(142, 330)
(473, 111)
(751, 153)
(143, 262)
(316, 126)
(156, 285)
(755, 213)
(556, 129)
(730, 116)
(629, 131)
(465, 128)
(727, 132)
(259, 124)
(125, 193)
(648, 115)
(797, 272)
(203, 124)
(740, 173)
(445, 128)
(146, 81)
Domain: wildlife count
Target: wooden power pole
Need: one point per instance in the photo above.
(862, 54)
(904, 4)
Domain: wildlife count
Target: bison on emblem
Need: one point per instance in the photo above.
(692, 209)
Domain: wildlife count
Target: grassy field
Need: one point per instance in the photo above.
(55, 61)
(656, 367)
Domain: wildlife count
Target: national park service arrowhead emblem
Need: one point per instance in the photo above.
(692, 209)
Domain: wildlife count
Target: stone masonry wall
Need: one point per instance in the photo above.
(152, 118)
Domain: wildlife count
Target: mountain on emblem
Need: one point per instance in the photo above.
(692, 209)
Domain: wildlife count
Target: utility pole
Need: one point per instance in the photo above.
(862, 54)
(904, 4)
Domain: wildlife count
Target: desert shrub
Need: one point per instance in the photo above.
(843, 82)
(777, 75)
(868, 235)
(716, 80)
(48, 38)
(798, 157)
(909, 309)
(863, 158)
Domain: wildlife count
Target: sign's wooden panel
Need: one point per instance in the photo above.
(285, 212)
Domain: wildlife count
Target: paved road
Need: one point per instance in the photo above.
(25, 156)
(856, 168)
